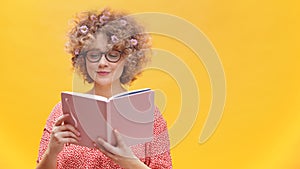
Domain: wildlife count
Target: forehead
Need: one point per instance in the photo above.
(100, 42)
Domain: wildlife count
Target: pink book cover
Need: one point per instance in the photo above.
(131, 113)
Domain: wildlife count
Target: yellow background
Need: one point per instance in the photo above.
(258, 44)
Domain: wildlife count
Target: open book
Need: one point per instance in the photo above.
(131, 113)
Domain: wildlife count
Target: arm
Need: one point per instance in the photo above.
(48, 161)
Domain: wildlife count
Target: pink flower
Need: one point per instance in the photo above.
(77, 51)
(103, 19)
(93, 17)
(133, 42)
(84, 29)
(106, 13)
(114, 38)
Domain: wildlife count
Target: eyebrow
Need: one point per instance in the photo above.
(97, 49)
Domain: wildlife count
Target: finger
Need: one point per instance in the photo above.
(68, 134)
(66, 137)
(98, 146)
(119, 138)
(110, 155)
(69, 140)
(61, 119)
(69, 127)
(62, 136)
(108, 147)
(105, 152)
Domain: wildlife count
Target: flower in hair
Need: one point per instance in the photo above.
(93, 17)
(140, 54)
(76, 52)
(103, 18)
(106, 13)
(123, 22)
(114, 38)
(83, 29)
(133, 42)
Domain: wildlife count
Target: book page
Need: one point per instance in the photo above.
(90, 96)
(129, 93)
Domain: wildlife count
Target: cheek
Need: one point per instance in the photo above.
(120, 69)
(91, 68)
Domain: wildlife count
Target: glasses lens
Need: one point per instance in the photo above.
(113, 56)
(93, 56)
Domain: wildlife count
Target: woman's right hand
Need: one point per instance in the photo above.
(62, 134)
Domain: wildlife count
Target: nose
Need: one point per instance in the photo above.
(103, 62)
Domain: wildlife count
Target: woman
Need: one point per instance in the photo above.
(109, 49)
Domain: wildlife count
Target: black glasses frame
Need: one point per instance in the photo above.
(101, 55)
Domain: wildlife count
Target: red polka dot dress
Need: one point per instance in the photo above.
(155, 154)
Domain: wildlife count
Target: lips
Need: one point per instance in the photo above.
(103, 73)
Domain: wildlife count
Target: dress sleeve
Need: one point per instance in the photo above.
(55, 113)
(159, 148)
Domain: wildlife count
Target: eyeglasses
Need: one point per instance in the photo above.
(95, 55)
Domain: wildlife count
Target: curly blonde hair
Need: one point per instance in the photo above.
(124, 34)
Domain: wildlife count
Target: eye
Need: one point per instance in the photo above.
(114, 54)
(93, 54)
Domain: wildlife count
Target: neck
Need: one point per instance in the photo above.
(108, 90)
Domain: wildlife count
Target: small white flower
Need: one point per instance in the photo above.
(133, 42)
(123, 22)
(114, 38)
(83, 29)
(140, 53)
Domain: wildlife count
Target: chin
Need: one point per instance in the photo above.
(103, 82)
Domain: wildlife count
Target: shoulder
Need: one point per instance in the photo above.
(56, 111)
(54, 115)
(158, 114)
(160, 124)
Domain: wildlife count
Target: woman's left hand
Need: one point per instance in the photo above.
(120, 154)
